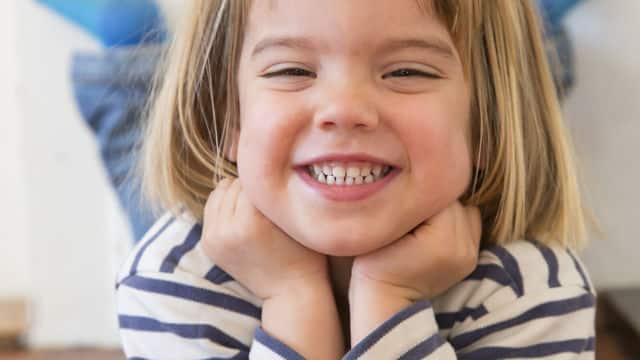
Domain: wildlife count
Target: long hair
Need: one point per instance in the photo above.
(525, 181)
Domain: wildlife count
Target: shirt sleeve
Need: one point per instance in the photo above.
(556, 322)
(175, 316)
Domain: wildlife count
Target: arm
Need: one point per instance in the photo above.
(175, 304)
(552, 322)
(540, 304)
(302, 317)
(299, 312)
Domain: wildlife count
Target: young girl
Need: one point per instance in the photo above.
(367, 138)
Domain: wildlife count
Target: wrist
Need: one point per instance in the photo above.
(371, 303)
(303, 315)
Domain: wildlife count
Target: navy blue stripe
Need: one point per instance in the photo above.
(136, 261)
(188, 331)
(276, 346)
(385, 328)
(549, 309)
(423, 349)
(173, 259)
(447, 320)
(495, 273)
(203, 296)
(552, 264)
(580, 271)
(511, 266)
(218, 276)
(534, 351)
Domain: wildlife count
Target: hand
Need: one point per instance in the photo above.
(249, 247)
(427, 261)
(421, 265)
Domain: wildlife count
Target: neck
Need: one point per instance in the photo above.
(340, 271)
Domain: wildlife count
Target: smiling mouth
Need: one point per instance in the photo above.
(348, 174)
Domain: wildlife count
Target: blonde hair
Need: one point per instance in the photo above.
(525, 186)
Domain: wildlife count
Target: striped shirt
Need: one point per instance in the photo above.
(524, 300)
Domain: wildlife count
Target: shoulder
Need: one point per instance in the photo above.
(520, 272)
(171, 254)
(530, 266)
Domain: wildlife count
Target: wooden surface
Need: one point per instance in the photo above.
(71, 354)
(13, 317)
(626, 303)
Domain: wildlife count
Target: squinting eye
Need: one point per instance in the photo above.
(290, 72)
(410, 73)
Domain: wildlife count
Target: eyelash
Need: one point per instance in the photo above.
(401, 73)
(290, 72)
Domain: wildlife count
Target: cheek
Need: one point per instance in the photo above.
(438, 146)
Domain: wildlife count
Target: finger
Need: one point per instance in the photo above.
(214, 200)
(444, 221)
(230, 197)
(474, 221)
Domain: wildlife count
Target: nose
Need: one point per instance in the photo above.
(346, 107)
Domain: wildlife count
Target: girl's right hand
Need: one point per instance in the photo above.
(243, 242)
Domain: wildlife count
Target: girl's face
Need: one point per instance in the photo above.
(354, 120)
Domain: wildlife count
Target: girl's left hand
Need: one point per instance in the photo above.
(421, 265)
(427, 261)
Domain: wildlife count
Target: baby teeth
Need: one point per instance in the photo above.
(339, 172)
(348, 174)
(353, 171)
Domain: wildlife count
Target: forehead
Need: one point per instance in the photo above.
(344, 22)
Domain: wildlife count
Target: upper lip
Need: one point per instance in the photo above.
(346, 158)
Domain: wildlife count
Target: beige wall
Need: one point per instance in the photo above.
(604, 114)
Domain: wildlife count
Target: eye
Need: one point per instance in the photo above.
(406, 73)
(294, 72)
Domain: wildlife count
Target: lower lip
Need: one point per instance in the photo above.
(346, 192)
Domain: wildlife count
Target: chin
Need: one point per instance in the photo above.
(344, 244)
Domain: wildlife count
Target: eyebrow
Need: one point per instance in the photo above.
(431, 44)
(303, 43)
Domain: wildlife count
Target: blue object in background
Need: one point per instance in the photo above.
(554, 11)
(557, 42)
(114, 22)
(111, 90)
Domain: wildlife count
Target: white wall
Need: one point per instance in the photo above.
(603, 111)
(70, 208)
(14, 272)
(62, 234)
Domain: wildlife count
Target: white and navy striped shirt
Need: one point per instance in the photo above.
(524, 300)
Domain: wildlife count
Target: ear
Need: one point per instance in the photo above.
(231, 146)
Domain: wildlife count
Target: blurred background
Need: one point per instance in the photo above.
(63, 230)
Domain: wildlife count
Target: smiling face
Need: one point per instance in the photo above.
(354, 120)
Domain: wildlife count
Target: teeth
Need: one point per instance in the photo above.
(365, 170)
(353, 171)
(339, 172)
(348, 174)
